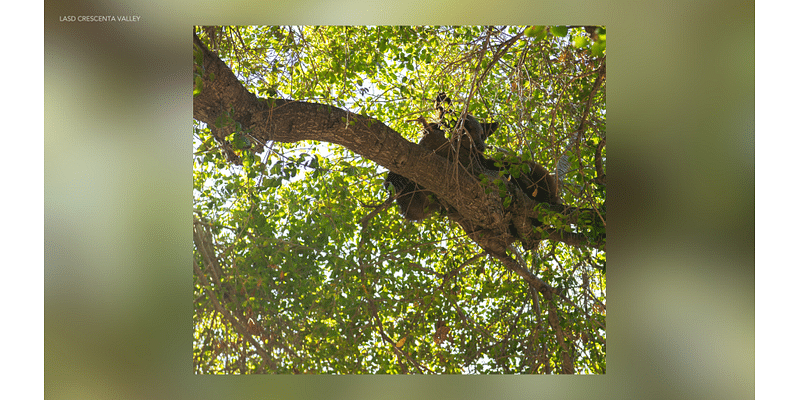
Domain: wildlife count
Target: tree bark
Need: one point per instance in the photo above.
(225, 105)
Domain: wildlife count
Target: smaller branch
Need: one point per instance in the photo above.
(241, 329)
(399, 353)
(597, 83)
(598, 163)
(504, 47)
(550, 294)
(204, 243)
(567, 364)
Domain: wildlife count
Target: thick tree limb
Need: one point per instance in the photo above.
(224, 98)
(226, 106)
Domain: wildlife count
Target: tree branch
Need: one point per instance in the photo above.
(551, 294)
(240, 328)
(225, 105)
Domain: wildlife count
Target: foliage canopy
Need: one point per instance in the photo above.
(301, 266)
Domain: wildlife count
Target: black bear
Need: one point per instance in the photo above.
(416, 203)
(534, 180)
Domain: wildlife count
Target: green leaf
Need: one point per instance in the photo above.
(530, 31)
(198, 86)
(559, 31)
(537, 32)
(598, 48)
(306, 235)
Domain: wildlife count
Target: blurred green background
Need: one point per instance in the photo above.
(118, 295)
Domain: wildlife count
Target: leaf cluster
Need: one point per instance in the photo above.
(316, 273)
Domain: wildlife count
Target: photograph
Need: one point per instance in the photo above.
(388, 200)
(399, 200)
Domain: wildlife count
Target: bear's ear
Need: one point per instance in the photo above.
(489, 128)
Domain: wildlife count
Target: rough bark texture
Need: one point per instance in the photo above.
(292, 121)
(225, 105)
